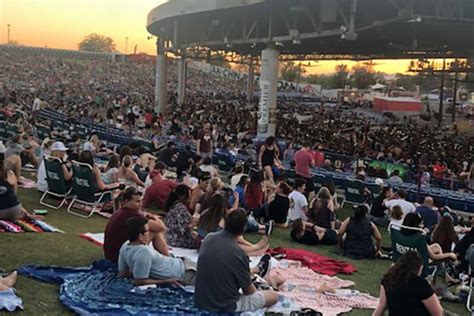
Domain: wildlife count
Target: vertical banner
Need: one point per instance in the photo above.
(268, 93)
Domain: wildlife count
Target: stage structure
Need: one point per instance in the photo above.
(266, 31)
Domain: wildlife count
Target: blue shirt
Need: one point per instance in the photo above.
(430, 216)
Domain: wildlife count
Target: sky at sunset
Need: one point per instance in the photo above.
(63, 24)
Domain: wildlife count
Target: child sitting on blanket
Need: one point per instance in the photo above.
(310, 234)
(8, 282)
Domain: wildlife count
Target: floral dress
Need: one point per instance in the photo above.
(178, 232)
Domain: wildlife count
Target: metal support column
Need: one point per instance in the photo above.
(160, 78)
(182, 72)
(268, 93)
(441, 95)
(250, 81)
(455, 95)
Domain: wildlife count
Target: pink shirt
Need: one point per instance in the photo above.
(303, 160)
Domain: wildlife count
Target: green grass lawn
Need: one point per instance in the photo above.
(70, 250)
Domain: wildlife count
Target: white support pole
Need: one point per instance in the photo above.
(182, 72)
(268, 93)
(160, 79)
(250, 81)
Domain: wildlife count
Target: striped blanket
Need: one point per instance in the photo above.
(304, 283)
(27, 226)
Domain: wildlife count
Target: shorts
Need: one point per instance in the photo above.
(190, 272)
(11, 213)
(252, 302)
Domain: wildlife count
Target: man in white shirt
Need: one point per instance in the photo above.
(407, 207)
(298, 202)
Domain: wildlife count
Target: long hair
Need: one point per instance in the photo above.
(323, 197)
(215, 213)
(86, 157)
(411, 220)
(445, 231)
(360, 213)
(181, 191)
(406, 266)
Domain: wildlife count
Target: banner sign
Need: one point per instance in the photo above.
(282, 85)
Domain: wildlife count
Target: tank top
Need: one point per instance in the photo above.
(358, 241)
(8, 197)
(322, 215)
(268, 157)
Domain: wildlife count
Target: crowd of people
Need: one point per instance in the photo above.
(203, 209)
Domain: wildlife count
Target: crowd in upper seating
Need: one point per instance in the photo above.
(201, 210)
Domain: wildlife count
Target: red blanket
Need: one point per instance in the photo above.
(316, 262)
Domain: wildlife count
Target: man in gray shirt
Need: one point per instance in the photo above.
(223, 269)
(139, 259)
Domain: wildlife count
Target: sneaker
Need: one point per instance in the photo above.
(264, 265)
(269, 228)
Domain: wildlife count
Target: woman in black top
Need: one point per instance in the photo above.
(378, 211)
(322, 210)
(278, 208)
(268, 158)
(404, 292)
(359, 233)
(310, 234)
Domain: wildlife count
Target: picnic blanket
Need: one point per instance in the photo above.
(9, 301)
(27, 226)
(191, 254)
(97, 290)
(316, 262)
(301, 285)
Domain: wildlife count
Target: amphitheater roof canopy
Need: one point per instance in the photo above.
(359, 28)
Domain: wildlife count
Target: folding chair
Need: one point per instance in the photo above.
(415, 242)
(354, 193)
(374, 188)
(85, 189)
(56, 183)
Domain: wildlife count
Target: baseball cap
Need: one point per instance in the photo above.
(59, 146)
(379, 181)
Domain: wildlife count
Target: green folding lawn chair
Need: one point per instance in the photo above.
(57, 186)
(86, 193)
(402, 243)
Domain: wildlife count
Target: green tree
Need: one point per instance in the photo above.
(340, 77)
(97, 43)
(291, 71)
(326, 81)
(362, 77)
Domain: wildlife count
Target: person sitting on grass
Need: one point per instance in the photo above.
(359, 231)
(127, 175)
(404, 292)
(307, 233)
(160, 189)
(148, 266)
(298, 202)
(116, 229)
(179, 221)
(223, 271)
(280, 205)
(321, 210)
(213, 220)
(10, 206)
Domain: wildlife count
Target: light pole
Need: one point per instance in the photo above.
(8, 33)
(126, 45)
